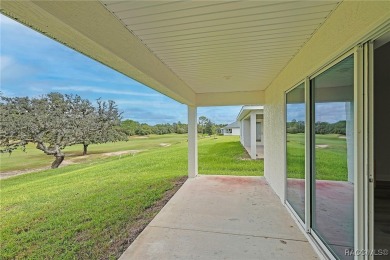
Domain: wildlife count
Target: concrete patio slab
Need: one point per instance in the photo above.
(222, 217)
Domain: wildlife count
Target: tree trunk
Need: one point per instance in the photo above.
(57, 161)
(85, 149)
(53, 150)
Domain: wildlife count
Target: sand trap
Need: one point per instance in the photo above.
(132, 152)
(322, 146)
(165, 144)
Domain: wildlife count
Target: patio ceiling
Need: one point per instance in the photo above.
(199, 53)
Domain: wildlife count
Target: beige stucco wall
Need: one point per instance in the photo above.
(346, 27)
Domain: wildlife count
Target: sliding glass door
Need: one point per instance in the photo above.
(333, 157)
(295, 149)
(320, 155)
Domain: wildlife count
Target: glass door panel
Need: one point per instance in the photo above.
(258, 132)
(333, 157)
(295, 136)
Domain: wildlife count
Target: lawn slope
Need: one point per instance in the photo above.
(34, 158)
(92, 210)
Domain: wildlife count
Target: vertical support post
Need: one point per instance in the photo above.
(349, 109)
(247, 132)
(242, 132)
(192, 142)
(309, 146)
(253, 134)
(359, 169)
(369, 146)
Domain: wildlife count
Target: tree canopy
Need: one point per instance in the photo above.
(54, 121)
(339, 127)
(206, 126)
(131, 127)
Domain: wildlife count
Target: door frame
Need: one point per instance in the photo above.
(363, 143)
(287, 204)
(358, 141)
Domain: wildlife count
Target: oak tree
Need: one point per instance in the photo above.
(55, 121)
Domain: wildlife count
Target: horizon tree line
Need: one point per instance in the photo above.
(54, 121)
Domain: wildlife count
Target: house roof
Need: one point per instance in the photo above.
(246, 110)
(199, 53)
(232, 125)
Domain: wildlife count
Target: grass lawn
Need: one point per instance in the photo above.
(92, 210)
(34, 158)
(331, 157)
(226, 156)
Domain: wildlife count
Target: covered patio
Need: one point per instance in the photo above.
(227, 53)
(222, 217)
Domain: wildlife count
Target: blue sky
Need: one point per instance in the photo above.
(32, 64)
(330, 112)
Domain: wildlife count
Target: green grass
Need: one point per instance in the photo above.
(34, 158)
(296, 156)
(227, 158)
(86, 210)
(331, 161)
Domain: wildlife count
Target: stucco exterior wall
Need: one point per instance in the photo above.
(235, 131)
(246, 133)
(346, 27)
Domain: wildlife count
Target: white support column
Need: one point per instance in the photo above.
(192, 142)
(253, 134)
(349, 109)
(242, 132)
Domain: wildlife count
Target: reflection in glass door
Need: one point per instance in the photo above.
(295, 148)
(333, 157)
(258, 132)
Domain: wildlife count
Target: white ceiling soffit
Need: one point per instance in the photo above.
(224, 46)
(89, 28)
(198, 53)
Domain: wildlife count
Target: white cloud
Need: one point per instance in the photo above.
(105, 91)
(5, 62)
(330, 112)
(11, 70)
(221, 114)
(148, 103)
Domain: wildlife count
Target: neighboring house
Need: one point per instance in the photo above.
(251, 133)
(316, 62)
(231, 129)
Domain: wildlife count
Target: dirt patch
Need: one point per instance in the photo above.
(66, 162)
(117, 248)
(132, 152)
(5, 175)
(141, 137)
(165, 144)
(322, 146)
